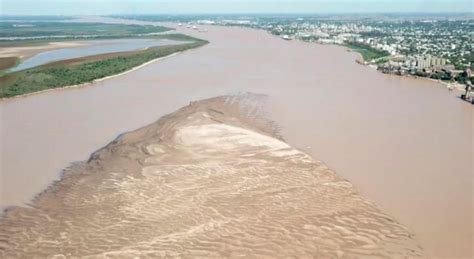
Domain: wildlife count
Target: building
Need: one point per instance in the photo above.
(423, 62)
(427, 61)
(435, 61)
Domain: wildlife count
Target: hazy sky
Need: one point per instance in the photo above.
(84, 7)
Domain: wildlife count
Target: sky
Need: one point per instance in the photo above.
(104, 7)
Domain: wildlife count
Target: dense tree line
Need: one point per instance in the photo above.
(44, 29)
(60, 74)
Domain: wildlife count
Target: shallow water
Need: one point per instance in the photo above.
(405, 143)
(95, 47)
(209, 181)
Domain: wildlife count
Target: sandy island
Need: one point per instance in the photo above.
(211, 179)
(405, 143)
(28, 51)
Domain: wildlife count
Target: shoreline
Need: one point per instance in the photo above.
(6, 99)
(301, 112)
(266, 128)
(211, 134)
(64, 170)
(360, 60)
(456, 86)
(23, 52)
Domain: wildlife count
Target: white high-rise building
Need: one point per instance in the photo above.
(429, 61)
(423, 61)
(436, 61)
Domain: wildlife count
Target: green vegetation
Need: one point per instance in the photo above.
(367, 52)
(72, 30)
(43, 41)
(9, 62)
(176, 36)
(382, 60)
(63, 73)
(86, 69)
(35, 18)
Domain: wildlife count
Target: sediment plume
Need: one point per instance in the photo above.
(212, 179)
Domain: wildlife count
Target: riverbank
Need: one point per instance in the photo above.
(449, 85)
(367, 53)
(371, 57)
(325, 104)
(78, 71)
(95, 80)
(209, 158)
(69, 29)
(23, 52)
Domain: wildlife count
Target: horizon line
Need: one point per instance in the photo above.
(250, 13)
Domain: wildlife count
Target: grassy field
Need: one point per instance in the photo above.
(85, 69)
(367, 52)
(71, 30)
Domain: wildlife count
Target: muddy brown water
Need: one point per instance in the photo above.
(208, 180)
(405, 143)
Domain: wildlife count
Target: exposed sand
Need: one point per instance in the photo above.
(210, 180)
(405, 143)
(28, 51)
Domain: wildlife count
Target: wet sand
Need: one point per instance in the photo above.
(405, 143)
(92, 48)
(28, 51)
(209, 180)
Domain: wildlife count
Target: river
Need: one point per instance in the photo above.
(92, 47)
(405, 143)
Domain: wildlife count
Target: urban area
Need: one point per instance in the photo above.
(436, 47)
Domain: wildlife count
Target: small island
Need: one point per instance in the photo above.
(79, 70)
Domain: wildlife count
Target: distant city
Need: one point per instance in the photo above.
(430, 47)
(436, 46)
(343, 135)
